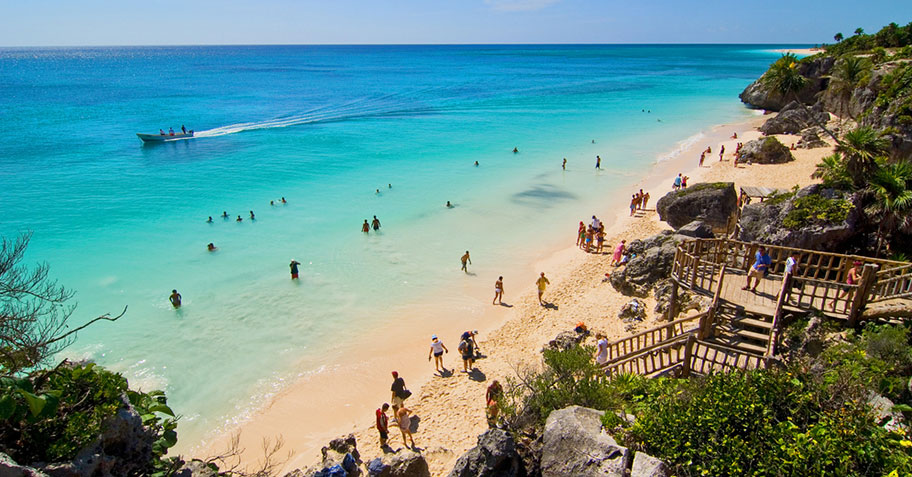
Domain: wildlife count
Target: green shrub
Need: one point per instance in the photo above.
(704, 186)
(51, 415)
(816, 209)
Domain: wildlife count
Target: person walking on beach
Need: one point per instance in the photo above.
(492, 402)
(383, 425)
(542, 284)
(405, 425)
(400, 393)
(365, 227)
(437, 350)
(702, 158)
(564, 165)
(618, 253)
(466, 260)
(601, 352)
(175, 299)
(498, 291)
(375, 224)
(580, 234)
(294, 269)
(645, 200)
(721, 152)
(760, 268)
(598, 162)
(467, 350)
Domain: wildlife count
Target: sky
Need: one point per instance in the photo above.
(207, 22)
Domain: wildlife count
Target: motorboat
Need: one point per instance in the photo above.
(164, 137)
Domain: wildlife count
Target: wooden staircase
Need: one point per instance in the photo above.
(738, 328)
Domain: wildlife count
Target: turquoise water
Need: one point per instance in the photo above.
(325, 127)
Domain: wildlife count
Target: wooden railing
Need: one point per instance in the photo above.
(895, 282)
(693, 273)
(689, 355)
(711, 357)
(650, 360)
(652, 337)
(810, 293)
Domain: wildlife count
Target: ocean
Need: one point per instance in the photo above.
(343, 133)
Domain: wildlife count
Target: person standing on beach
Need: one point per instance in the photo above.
(294, 269)
(383, 425)
(684, 182)
(498, 291)
(375, 224)
(580, 234)
(702, 158)
(466, 260)
(598, 162)
(645, 200)
(618, 253)
(493, 395)
(634, 202)
(365, 227)
(400, 393)
(564, 165)
(677, 182)
(437, 349)
(542, 284)
(721, 152)
(405, 425)
(175, 299)
(596, 222)
(467, 350)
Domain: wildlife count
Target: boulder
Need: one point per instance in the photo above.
(766, 150)
(793, 118)
(575, 444)
(402, 463)
(761, 95)
(810, 139)
(9, 468)
(652, 261)
(884, 414)
(567, 339)
(763, 222)
(696, 229)
(195, 468)
(713, 203)
(634, 310)
(645, 465)
(494, 456)
(342, 451)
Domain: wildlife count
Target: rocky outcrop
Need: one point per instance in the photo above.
(404, 463)
(763, 222)
(567, 339)
(811, 138)
(645, 465)
(9, 468)
(195, 468)
(765, 151)
(575, 444)
(761, 95)
(793, 118)
(696, 229)
(494, 456)
(634, 310)
(882, 408)
(651, 262)
(711, 202)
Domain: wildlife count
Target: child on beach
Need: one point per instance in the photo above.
(383, 425)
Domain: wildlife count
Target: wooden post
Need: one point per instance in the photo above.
(860, 300)
(777, 315)
(693, 278)
(688, 355)
(672, 309)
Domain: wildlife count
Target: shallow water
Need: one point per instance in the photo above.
(325, 127)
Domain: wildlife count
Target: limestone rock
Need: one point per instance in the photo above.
(652, 262)
(9, 468)
(696, 229)
(765, 151)
(712, 203)
(811, 139)
(575, 444)
(195, 468)
(645, 465)
(761, 95)
(567, 339)
(793, 118)
(634, 310)
(494, 456)
(403, 463)
(763, 222)
(884, 414)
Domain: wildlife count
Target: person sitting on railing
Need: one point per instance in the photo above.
(848, 292)
(759, 270)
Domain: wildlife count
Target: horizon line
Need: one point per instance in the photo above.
(403, 44)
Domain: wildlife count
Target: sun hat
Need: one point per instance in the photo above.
(433, 337)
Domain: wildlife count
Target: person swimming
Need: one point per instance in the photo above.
(272, 203)
(210, 220)
(175, 299)
(476, 163)
(239, 219)
(449, 205)
(515, 150)
(252, 217)
(211, 247)
(284, 201)
(224, 214)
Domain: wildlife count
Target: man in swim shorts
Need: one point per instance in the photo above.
(465, 260)
(175, 299)
(498, 291)
(375, 224)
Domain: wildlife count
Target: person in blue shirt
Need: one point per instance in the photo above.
(762, 262)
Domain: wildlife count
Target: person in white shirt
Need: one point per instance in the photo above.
(601, 354)
(437, 349)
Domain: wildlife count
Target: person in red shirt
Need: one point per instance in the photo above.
(383, 425)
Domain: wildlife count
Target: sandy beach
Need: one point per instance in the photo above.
(319, 407)
(800, 51)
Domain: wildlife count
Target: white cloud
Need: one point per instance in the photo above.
(519, 5)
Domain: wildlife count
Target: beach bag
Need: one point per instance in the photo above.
(406, 393)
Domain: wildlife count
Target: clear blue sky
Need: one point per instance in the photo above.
(192, 22)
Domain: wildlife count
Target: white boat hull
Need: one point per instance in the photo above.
(166, 137)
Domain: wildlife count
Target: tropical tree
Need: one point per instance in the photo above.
(891, 188)
(783, 76)
(848, 72)
(861, 147)
(833, 172)
(859, 31)
(838, 37)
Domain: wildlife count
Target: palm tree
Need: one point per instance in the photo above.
(859, 31)
(848, 73)
(784, 77)
(838, 37)
(892, 205)
(832, 171)
(861, 147)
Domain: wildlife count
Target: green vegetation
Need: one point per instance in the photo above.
(890, 36)
(895, 94)
(809, 417)
(704, 186)
(816, 209)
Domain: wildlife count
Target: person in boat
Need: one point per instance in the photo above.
(161, 132)
(183, 129)
(170, 131)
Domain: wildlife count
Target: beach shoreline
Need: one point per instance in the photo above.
(290, 413)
